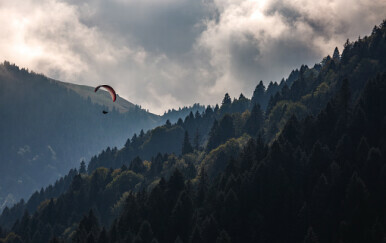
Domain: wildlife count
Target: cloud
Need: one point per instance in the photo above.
(163, 26)
(169, 53)
(255, 40)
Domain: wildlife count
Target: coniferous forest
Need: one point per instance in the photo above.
(47, 127)
(303, 160)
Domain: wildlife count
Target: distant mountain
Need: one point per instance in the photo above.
(47, 127)
(172, 114)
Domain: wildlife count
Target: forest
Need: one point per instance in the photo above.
(303, 160)
(47, 127)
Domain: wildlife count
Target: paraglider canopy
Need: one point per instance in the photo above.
(109, 89)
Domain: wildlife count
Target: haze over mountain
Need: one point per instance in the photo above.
(48, 127)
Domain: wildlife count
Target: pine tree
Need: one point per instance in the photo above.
(134, 141)
(255, 121)
(191, 116)
(336, 55)
(156, 165)
(180, 122)
(344, 96)
(216, 109)
(176, 181)
(285, 91)
(197, 115)
(186, 146)
(76, 183)
(174, 186)
(88, 228)
(230, 215)
(141, 134)
(82, 168)
(346, 55)
(137, 165)
(208, 111)
(123, 167)
(213, 136)
(128, 143)
(196, 140)
(181, 217)
(226, 129)
(226, 100)
(202, 187)
(258, 96)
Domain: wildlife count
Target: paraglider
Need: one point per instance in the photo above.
(109, 89)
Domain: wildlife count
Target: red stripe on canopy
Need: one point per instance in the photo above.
(109, 89)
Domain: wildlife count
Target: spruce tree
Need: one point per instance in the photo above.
(127, 144)
(141, 134)
(82, 168)
(258, 96)
(208, 111)
(137, 165)
(226, 129)
(336, 55)
(226, 100)
(180, 122)
(255, 121)
(186, 146)
(213, 136)
(196, 140)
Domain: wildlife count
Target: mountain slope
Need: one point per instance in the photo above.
(101, 98)
(308, 183)
(48, 126)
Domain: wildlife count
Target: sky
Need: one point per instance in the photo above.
(164, 54)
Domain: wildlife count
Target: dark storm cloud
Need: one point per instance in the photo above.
(290, 13)
(169, 53)
(169, 26)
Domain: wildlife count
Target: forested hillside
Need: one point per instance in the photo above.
(47, 127)
(301, 161)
